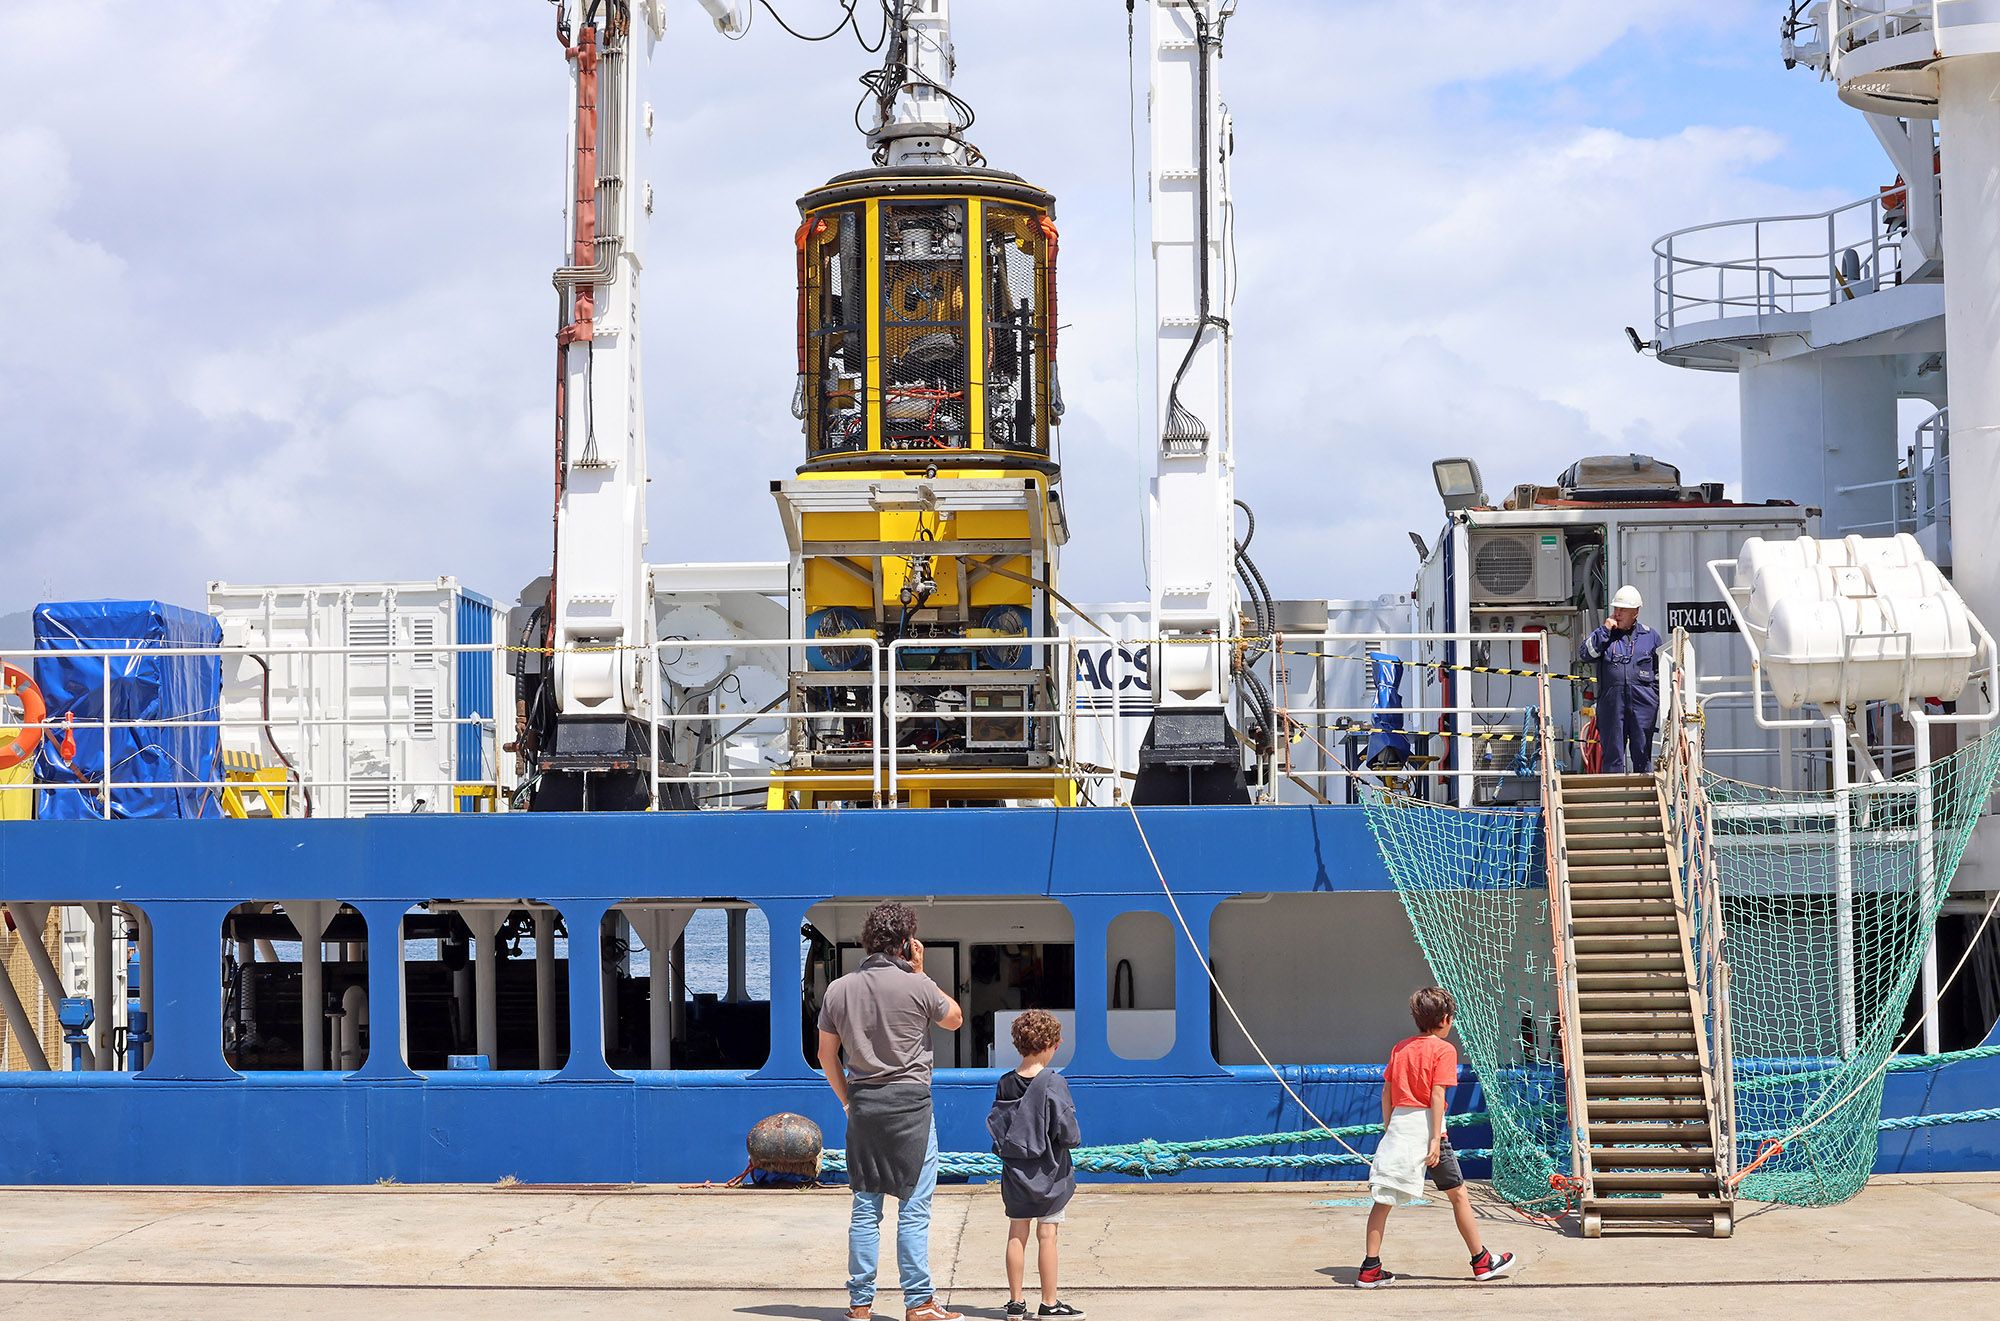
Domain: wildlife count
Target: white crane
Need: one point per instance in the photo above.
(593, 749)
(1190, 754)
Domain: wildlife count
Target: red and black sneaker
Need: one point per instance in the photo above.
(1374, 1277)
(1489, 1267)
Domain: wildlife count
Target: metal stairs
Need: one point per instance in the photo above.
(1643, 1099)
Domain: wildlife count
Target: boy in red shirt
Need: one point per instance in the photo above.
(1422, 1071)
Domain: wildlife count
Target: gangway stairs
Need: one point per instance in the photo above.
(1643, 1097)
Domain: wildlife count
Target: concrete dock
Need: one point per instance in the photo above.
(1908, 1246)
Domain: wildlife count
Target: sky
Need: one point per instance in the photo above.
(278, 270)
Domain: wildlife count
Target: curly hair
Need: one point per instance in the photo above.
(1036, 1031)
(1431, 1007)
(888, 929)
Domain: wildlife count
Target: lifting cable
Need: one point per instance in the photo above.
(1223, 996)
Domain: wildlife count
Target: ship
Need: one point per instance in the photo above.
(336, 883)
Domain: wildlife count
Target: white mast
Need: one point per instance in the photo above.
(917, 120)
(1192, 508)
(601, 619)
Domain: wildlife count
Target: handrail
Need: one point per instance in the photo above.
(1698, 897)
(1780, 264)
(1556, 850)
(1088, 706)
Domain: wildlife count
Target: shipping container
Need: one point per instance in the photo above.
(1550, 569)
(368, 703)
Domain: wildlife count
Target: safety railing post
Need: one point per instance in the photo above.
(895, 732)
(104, 676)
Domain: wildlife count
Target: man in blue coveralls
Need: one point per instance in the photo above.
(1628, 684)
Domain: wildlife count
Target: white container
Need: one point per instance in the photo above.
(371, 719)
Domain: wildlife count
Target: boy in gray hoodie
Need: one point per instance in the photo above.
(1033, 1124)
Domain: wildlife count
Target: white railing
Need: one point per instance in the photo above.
(1079, 740)
(1953, 26)
(1919, 498)
(1768, 266)
(1689, 821)
(289, 738)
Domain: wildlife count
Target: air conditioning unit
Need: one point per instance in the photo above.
(1519, 566)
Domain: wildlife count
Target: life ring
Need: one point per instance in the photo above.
(34, 711)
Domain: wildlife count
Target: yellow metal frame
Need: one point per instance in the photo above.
(976, 328)
(247, 781)
(921, 788)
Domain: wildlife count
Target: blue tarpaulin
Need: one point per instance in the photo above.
(154, 685)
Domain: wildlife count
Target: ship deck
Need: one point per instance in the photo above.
(1908, 1245)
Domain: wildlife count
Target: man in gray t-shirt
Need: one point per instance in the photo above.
(880, 1017)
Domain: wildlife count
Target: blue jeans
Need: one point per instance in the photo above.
(913, 1237)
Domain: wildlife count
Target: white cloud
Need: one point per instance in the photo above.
(286, 271)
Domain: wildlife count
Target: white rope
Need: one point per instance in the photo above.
(1223, 995)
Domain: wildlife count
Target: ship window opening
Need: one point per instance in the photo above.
(295, 987)
(50, 953)
(712, 972)
(480, 988)
(995, 956)
(1139, 952)
(1322, 978)
(1968, 1009)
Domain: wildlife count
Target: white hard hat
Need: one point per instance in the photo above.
(1627, 598)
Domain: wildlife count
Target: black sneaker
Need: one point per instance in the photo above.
(1490, 1267)
(1374, 1277)
(1016, 1310)
(1059, 1308)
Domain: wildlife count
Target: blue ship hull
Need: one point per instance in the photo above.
(189, 1119)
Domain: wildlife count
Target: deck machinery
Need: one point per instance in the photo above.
(927, 516)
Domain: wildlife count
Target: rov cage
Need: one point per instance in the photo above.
(924, 521)
(927, 321)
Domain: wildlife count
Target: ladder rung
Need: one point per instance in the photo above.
(1651, 1157)
(1589, 982)
(1603, 1022)
(1642, 959)
(1612, 1109)
(1612, 1064)
(1651, 1088)
(1656, 1181)
(1655, 1208)
(1615, 1043)
(1655, 908)
(1603, 1133)
(1644, 945)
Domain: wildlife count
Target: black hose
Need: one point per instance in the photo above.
(305, 790)
(1181, 424)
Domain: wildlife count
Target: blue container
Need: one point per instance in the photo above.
(155, 685)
